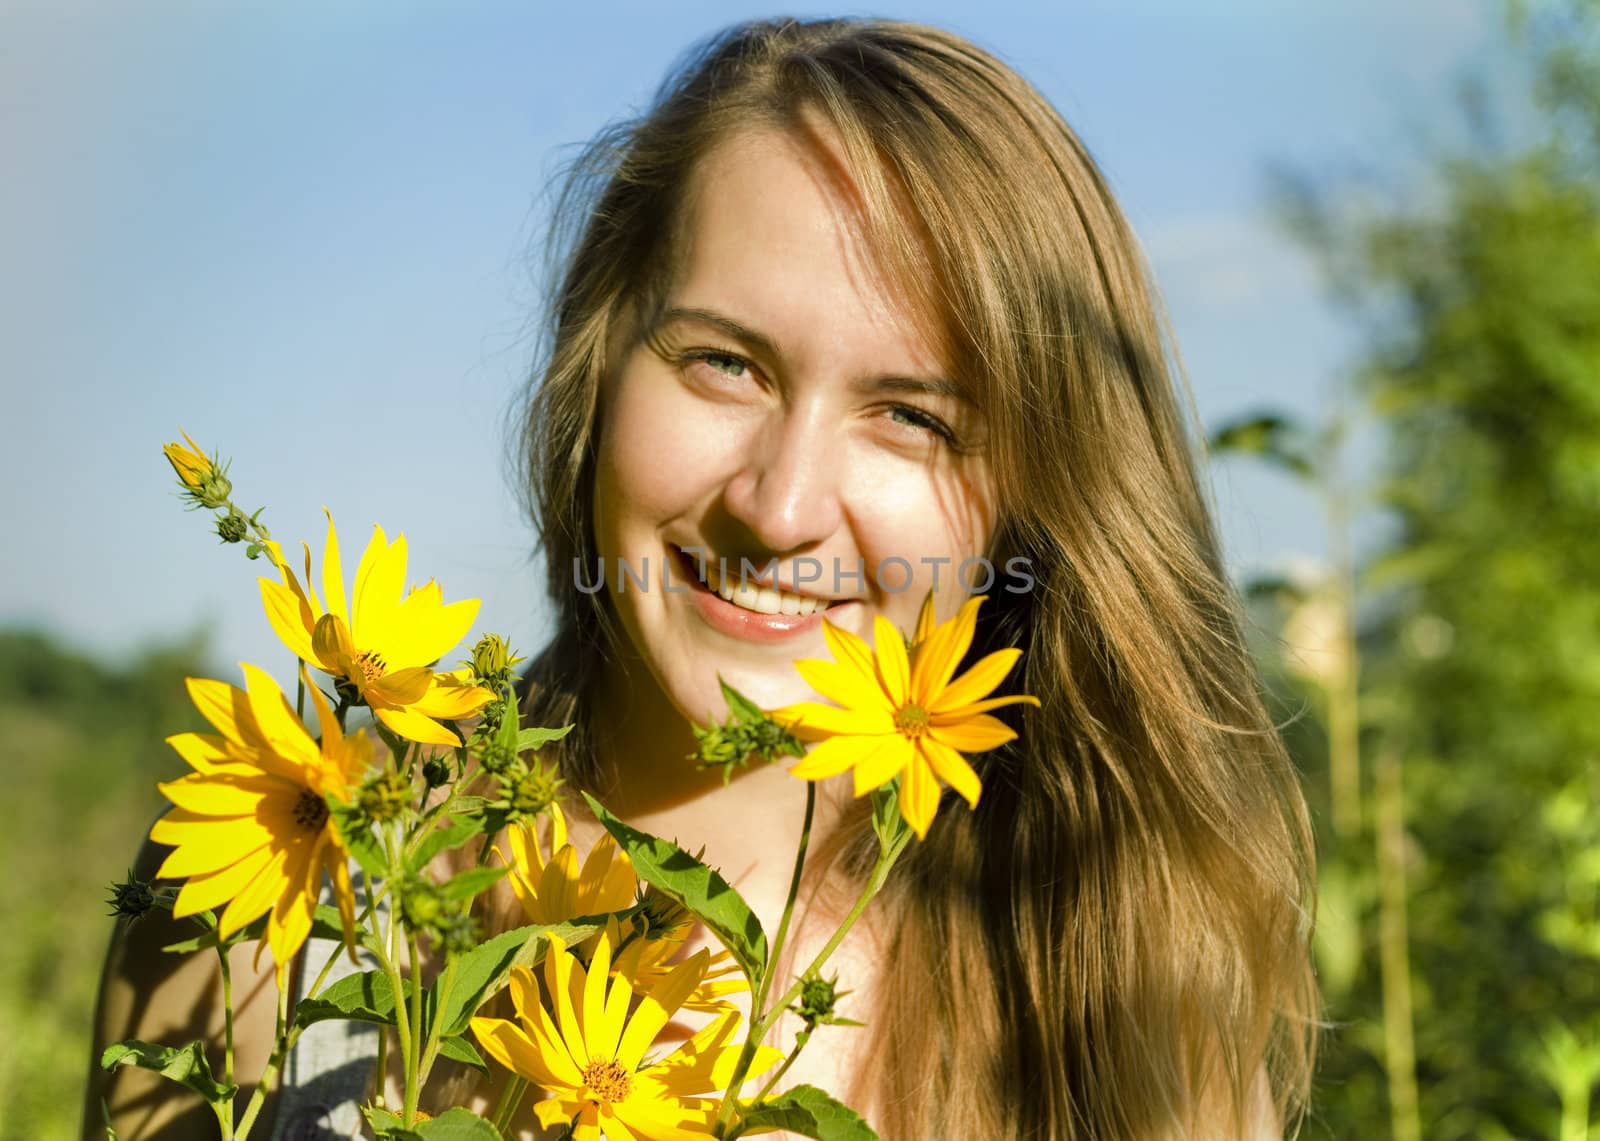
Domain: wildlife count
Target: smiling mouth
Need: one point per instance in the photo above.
(748, 595)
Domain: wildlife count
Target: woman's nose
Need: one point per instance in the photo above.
(787, 489)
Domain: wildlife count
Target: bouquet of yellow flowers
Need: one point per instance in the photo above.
(274, 820)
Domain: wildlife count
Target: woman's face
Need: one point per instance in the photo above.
(783, 406)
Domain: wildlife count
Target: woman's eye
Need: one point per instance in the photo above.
(727, 364)
(917, 418)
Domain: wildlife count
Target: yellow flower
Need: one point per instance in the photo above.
(903, 713)
(190, 463)
(251, 824)
(644, 963)
(557, 889)
(590, 1056)
(381, 646)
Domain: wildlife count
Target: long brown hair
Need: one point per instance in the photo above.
(1120, 930)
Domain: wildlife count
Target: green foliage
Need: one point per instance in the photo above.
(1480, 634)
(454, 1125)
(84, 749)
(699, 888)
(809, 1112)
(185, 1065)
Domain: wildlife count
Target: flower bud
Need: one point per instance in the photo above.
(205, 481)
(663, 916)
(492, 662)
(818, 999)
(436, 771)
(458, 930)
(189, 463)
(132, 898)
(497, 757)
(420, 904)
(384, 797)
(232, 527)
(533, 791)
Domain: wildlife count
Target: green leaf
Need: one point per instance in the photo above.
(457, 1125)
(538, 738)
(356, 832)
(481, 972)
(1271, 437)
(446, 838)
(365, 997)
(185, 1065)
(451, 1125)
(327, 924)
(458, 1049)
(388, 1125)
(808, 1111)
(747, 711)
(699, 888)
(467, 885)
(887, 822)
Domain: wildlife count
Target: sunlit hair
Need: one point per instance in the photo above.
(1116, 941)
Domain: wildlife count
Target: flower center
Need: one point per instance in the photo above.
(911, 719)
(608, 1081)
(371, 665)
(310, 811)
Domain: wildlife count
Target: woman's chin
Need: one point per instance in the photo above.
(768, 689)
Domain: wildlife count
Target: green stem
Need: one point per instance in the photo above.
(1575, 1112)
(414, 1053)
(1343, 691)
(510, 1098)
(402, 1023)
(1394, 957)
(430, 1051)
(800, 1041)
(769, 1018)
(227, 1018)
(284, 1039)
(788, 905)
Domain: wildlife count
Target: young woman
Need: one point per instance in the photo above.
(851, 295)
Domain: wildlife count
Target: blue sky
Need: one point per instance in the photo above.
(302, 232)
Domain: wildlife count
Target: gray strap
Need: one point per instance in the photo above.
(329, 1072)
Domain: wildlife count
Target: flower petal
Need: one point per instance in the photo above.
(919, 797)
(938, 657)
(413, 726)
(843, 685)
(333, 573)
(894, 669)
(849, 649)
(808, 719)
(507, 1044)
(423, 629)
(978, 682)
(220, 796)
(976, 734)
(204, 892)
(834, 756)
(258, 896)
(926, 623)
(380, 579)
(953, 769)
(400, 687)
(290, 617)
(451, 702)
(882, 764)
(658, 1007)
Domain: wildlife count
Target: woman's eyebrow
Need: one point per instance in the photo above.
(925, 385)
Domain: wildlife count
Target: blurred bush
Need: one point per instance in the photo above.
(84, 745)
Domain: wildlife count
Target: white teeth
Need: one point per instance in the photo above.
(762, 600)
